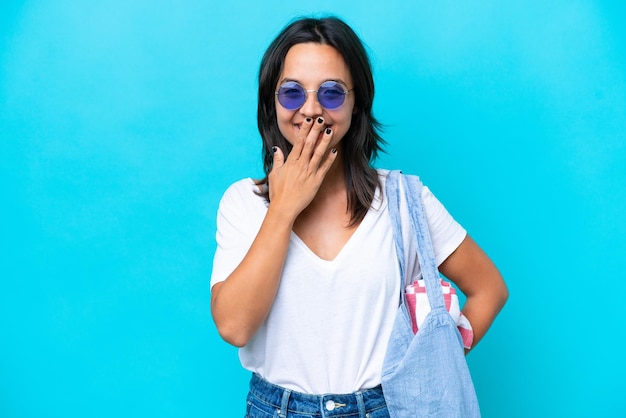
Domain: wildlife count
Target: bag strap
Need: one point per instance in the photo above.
(421, 235)
(392, 191)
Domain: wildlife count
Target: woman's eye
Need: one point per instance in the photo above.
(333, 93)
(292, 92)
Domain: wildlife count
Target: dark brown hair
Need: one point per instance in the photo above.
(362, 142)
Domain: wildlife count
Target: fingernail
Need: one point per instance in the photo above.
(320, 120)
(334, 150)
(308, 120)
(328, 131)
(274, 149)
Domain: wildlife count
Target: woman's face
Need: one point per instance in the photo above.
(311, 64)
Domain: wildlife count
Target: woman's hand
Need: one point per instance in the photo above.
(294, 182)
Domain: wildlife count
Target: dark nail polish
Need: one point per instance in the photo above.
(308, 120)
(328, 131)
(320, 120)
(274, 149)
(334, 150)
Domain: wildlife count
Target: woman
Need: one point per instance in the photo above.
(305, 277)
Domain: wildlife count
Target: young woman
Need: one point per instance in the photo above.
(305, 277)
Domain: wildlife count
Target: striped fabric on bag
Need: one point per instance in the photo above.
(419, 307)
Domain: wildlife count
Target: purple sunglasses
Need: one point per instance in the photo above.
(330, 95)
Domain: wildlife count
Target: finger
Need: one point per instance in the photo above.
(311, 138)
(305, 128)
(279, 158)
(331, 156)
(321, 149)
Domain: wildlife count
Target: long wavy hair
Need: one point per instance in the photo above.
(362, 142)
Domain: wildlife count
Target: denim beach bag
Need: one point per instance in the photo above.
(426, 374)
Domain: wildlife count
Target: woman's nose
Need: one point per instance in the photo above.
(311, 107)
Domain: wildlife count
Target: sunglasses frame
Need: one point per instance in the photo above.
(306, 92)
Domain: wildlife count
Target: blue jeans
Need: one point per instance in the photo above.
(266, 400)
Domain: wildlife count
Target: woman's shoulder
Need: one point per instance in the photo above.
(382, 174)
(427, 194)
(245, 190)
(247, 184)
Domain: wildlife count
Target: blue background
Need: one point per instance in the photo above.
(121, 124)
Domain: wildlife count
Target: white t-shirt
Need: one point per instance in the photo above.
(328, 328)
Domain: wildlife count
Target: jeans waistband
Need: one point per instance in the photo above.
(356, 404)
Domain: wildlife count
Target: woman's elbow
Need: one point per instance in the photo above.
(233, 335)
(228, 326)
(502, 293)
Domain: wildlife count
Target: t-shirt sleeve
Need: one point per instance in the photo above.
(445, 232)
(239, 217)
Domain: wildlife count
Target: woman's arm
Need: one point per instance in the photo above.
(242, 302)
(481, 282)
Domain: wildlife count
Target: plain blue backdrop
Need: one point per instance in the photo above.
(122, 123)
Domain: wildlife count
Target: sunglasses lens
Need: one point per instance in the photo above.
(291, 95)
(331, 95)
